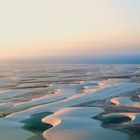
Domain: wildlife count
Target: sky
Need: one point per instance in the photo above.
(70, 31)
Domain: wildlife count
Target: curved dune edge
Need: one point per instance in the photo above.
(120, 119)
(128, 102)
(71, 123)
(132, 116)
(53, 119)
(115, 101)
(64, 134)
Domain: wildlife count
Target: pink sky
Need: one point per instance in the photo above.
(36, 28)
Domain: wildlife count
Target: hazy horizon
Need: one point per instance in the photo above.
(70, 31)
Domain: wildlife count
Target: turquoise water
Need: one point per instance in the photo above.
(69, 102)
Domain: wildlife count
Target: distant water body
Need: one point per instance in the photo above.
(69, 102)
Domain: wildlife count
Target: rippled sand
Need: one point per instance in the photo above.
(69, 102)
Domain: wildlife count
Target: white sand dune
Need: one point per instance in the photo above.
(67, 99)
